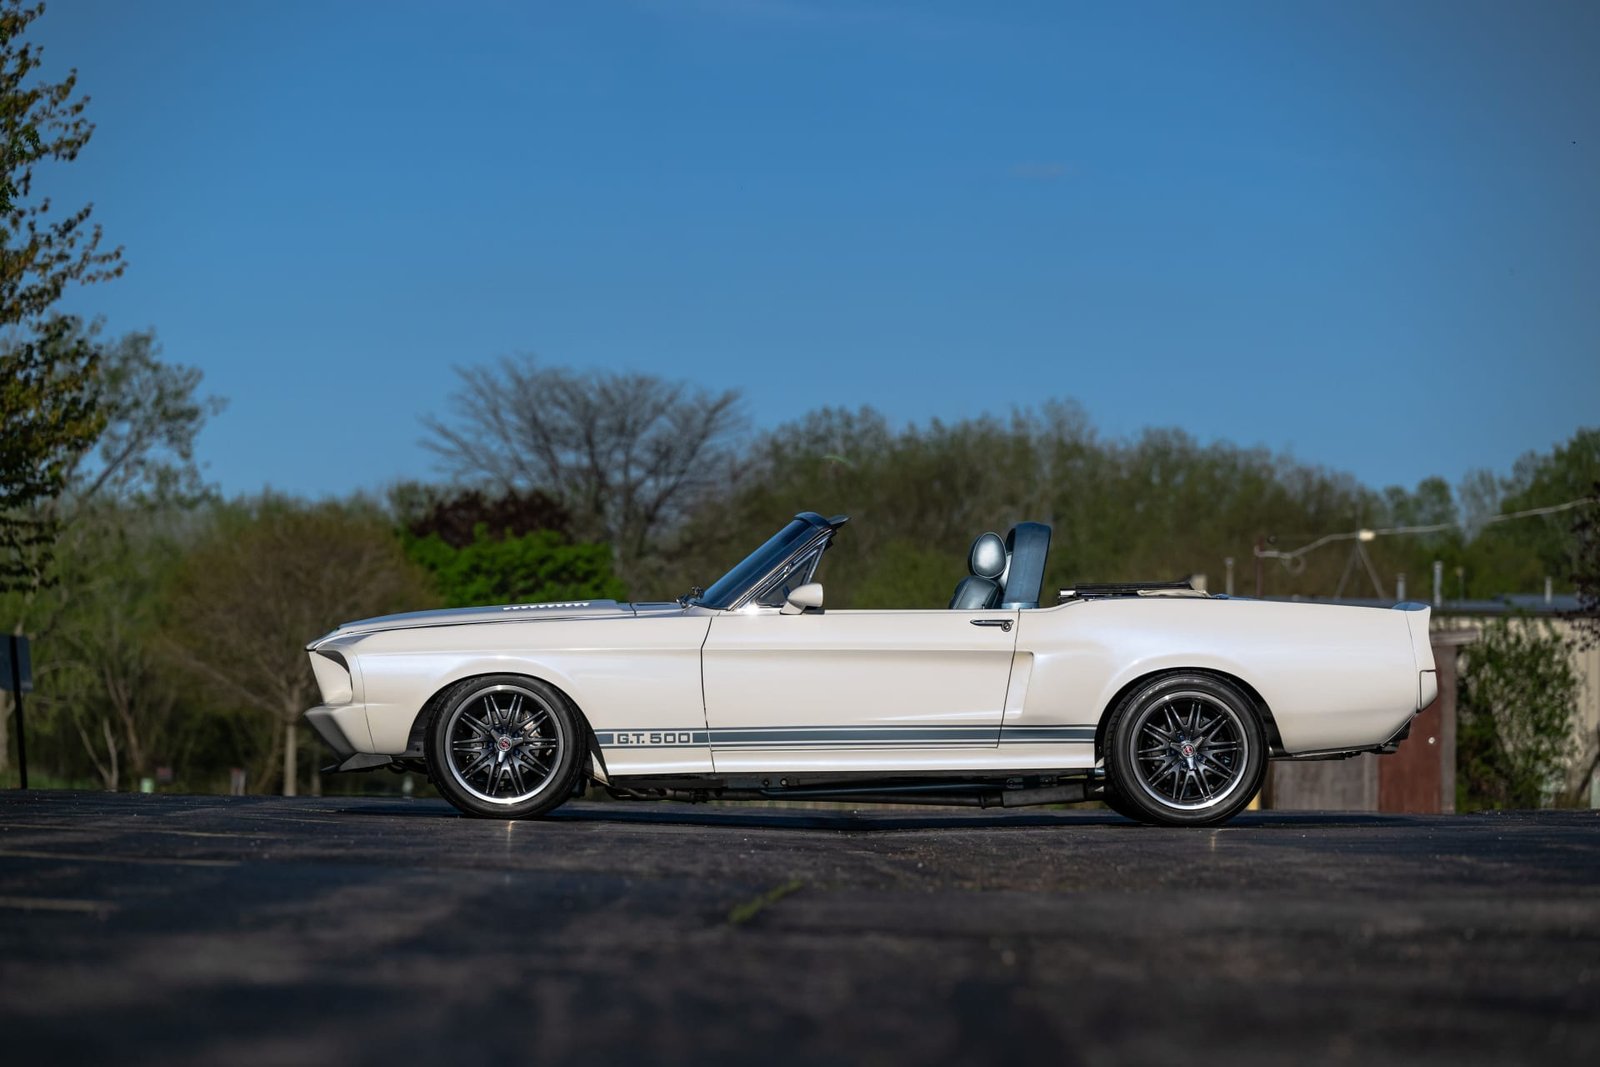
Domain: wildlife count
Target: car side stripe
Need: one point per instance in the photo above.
(844, 737)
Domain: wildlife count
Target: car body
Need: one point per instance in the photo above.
(1163, 701)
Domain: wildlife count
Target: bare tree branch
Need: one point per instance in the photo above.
(627, 454)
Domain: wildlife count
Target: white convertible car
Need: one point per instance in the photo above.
(1160, 700)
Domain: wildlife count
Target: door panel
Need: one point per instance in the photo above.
(856, 680)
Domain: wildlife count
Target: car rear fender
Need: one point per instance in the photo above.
(1417, 619)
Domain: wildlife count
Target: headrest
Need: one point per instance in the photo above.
(988, 557)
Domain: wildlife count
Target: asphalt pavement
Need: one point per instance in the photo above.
(354, 930)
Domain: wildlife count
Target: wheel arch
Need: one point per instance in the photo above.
(1268, 723)
(416, 740)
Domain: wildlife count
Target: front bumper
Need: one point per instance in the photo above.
(343, 727)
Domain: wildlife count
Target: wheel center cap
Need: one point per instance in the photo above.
(1187, 750)
(504, 744)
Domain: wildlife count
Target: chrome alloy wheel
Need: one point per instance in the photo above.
(1190, 751)
(504, 744)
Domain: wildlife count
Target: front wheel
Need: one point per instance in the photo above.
(1185, 750)
(504, 747)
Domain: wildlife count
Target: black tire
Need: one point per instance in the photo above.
(1184, 749)
(1113, 800)
(504, 746)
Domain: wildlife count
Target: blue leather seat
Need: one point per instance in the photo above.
(982, 588)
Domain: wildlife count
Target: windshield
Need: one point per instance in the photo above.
(726, 589)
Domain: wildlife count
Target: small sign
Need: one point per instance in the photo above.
(15, 665)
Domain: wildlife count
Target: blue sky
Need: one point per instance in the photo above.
(1368, 233)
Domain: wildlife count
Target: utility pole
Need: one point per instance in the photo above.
(1261, 542)
(18, 671)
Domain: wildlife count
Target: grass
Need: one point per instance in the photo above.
(742, 913)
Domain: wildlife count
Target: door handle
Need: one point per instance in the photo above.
(1004, 624)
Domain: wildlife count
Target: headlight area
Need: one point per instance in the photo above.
(338, 720)
(333, 676)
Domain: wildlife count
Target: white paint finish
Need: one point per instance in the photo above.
(1017, 689)
(857, 668)
(351, 721)
(335, 683)
(1333, 676)
(623, 672)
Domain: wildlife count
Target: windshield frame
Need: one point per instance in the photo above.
(806, 532)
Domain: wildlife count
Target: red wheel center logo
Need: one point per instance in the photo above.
(505, 744)
(1188, 749)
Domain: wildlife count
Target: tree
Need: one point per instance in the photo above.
(1160, 505)
(507, 568)
(49, 417)
(1519, 555)
(426, 510)
(1518, 702)
(140, 464)
(105, 681)
(47, 367)
(628, 455)
(266, 577)
(40, 255)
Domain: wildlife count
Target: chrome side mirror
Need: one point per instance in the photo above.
(806, 598)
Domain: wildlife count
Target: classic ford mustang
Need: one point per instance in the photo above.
(1158, 699)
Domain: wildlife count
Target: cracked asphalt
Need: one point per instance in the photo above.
(250, 930)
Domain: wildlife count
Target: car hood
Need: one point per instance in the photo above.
(567, 609)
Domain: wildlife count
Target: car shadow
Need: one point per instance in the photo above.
(865, 819)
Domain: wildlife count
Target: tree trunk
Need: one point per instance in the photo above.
(1580, 775)
(290, 770)
(113, 779)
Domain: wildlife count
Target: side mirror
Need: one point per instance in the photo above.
(806, 598)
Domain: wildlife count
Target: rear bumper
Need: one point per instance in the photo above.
(342, 727)
(1386, 747)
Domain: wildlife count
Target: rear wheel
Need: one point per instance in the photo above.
(1184, 750)
(504, 747)
(1113, 800)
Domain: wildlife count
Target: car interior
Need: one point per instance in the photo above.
(1005, 573)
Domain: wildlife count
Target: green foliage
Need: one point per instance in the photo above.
(1519, 555)
(534, 567)
(1516, 708)
(260, 579)
(50, 415)
(40, 254)
(1159, 506)
(108, 694)
(89, 422)
(909, 576)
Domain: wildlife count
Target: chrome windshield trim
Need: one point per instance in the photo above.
(760, 585)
